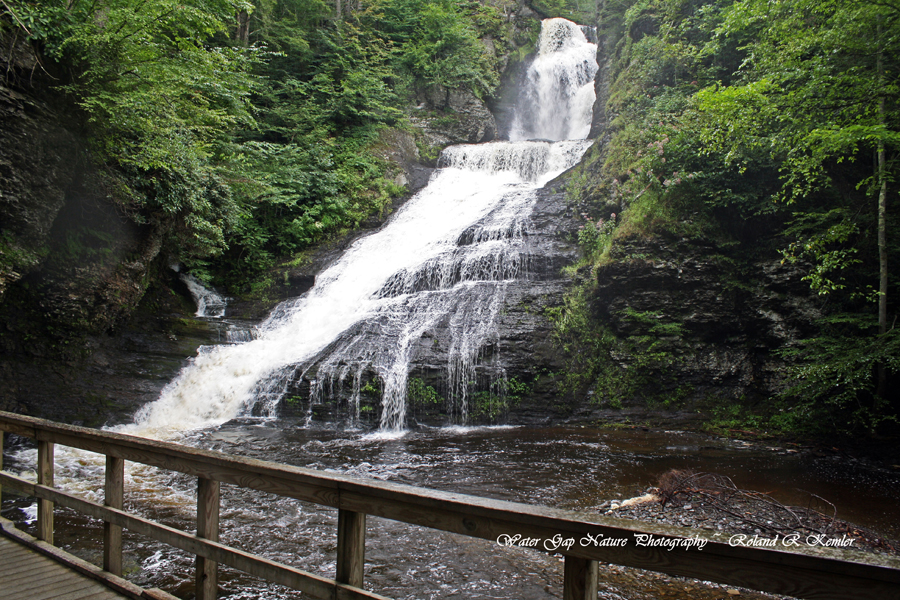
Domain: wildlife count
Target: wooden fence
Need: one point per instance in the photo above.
(643, 546)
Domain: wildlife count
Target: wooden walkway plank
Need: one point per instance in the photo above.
(63, 582)
(87, 595)
(12, 564)
(36, 571)
(52, 590)
(31, 569)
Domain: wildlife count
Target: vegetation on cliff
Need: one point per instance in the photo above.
(244, 130)
(765, 130)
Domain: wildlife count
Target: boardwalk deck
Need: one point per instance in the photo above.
(34, 570)
(25, 573)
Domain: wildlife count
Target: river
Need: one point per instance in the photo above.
(574, 467)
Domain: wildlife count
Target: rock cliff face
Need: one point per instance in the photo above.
(685, 325)
(524, 347)
(448, 117)
(731, 315)
(82, 265)
(38, 163)
(70, 262)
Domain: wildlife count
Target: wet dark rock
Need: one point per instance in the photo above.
(522, 347)
(36, 169)
(82, 265)
(448, 116)
(105, 379)
(734, 311)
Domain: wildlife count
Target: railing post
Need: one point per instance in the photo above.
(1, 462)
(580, 579)
(351, 547)
(114, 497)
(45, 477)
(207, 578)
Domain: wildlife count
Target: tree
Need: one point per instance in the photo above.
(158, 92)
(819, 95)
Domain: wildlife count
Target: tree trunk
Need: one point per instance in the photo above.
(882, 230)
(242, 33)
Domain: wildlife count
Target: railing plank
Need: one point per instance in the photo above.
(45, 468)
(351, 547)
(114, 497)
(24, 428)
(313, 585)
(283, 480)
(791, 573)
(207, 579)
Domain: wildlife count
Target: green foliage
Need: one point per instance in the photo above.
(817, 94)
(594, 239)
(826, 249)
(159, 92)
(485, 405)
(436, 43)
(833, 378)
(580, 11)
(252, 148)
(754, 125)
(616, 367)
(84, 244)
(15, 260)
(372, 388)
(516, 390)
(420, 394)
(307, 170)
(732, 418)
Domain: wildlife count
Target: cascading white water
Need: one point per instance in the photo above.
(557, 101)
(445, 258)
(209, 303)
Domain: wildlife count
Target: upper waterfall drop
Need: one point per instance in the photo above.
(438, 270)
(556, 103)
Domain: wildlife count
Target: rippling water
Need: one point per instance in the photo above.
(568, 467)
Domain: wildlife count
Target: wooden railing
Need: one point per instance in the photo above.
(792, 573)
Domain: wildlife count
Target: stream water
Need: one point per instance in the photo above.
(568, 467)
(445, 255)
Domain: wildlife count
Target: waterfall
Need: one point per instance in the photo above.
(209, 303)
(558, 97)
(441, 264)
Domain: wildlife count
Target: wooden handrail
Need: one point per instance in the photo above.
(803, 574)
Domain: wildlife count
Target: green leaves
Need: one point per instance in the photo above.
(833, 383)
(737, 121)
(758, 125)
(828, 251)
(434, 42)
(151, 83)
(158, 93)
